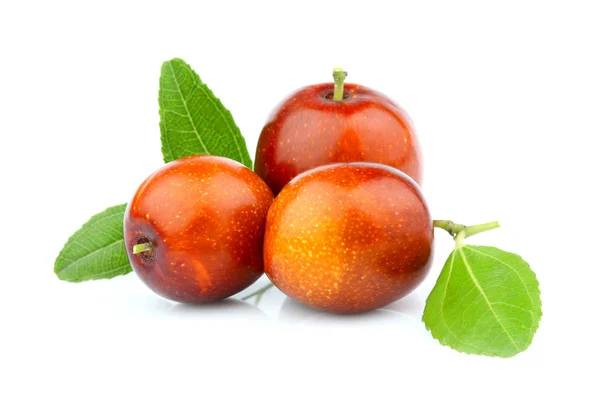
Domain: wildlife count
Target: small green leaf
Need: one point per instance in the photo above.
(486, 301)
(193, 120)
(96, 250)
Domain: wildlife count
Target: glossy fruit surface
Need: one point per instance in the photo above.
(348, 237)
(308, 130)
(205, 218)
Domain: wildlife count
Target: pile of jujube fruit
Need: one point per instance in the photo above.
(333, 213)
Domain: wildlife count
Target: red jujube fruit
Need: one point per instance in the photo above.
(203, 219)
(348, 237)
(310, 129)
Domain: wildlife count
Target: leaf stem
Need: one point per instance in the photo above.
(458, 240)
(142, 247)
(339, 75)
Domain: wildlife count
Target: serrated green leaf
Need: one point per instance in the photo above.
(193, 120)
(486, 301)
(96, 250)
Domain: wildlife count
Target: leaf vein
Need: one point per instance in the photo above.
(444, 301)
(64, 267)
(510, 267)
(476, 282)
(186, 108)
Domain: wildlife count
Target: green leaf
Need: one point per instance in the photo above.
(193, 120)
(96, 250)
(486, 301)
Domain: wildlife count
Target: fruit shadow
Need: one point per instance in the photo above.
(411, 306)
(224, 310)
(403, 311)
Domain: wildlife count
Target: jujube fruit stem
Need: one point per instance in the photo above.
(339, 75)
(142, 247)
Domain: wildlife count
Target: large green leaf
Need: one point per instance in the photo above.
(486, 301)
(96, 250)
(193, 120)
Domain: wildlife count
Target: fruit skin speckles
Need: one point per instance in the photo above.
(205, 218)
(308, 130)
(348, 238)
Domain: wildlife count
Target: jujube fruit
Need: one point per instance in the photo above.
(309, 129)
(197, 227)
(348, 237)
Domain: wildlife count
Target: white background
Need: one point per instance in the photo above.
(506, 100)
